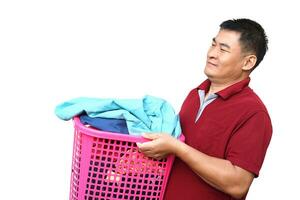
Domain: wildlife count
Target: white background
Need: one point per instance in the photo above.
(52, 51)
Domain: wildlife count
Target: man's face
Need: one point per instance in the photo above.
(224, 58)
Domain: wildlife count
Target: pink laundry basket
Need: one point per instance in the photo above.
(108, 166)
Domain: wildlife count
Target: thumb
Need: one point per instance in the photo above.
(150, 136)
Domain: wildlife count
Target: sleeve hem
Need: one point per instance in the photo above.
(246, 166)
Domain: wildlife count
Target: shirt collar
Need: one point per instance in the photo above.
(227, 92)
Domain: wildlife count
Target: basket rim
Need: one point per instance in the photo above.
(111, 135)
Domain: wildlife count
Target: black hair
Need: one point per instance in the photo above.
(253, 38)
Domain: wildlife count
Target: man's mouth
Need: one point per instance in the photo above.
(213, 64)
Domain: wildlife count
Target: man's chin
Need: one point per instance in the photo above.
(208, 73)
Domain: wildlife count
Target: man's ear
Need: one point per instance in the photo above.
(249, 62)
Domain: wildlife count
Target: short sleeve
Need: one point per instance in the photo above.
(248, 144)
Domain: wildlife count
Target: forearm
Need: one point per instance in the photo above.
(218, 173)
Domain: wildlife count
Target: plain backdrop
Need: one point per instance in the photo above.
(53, 51)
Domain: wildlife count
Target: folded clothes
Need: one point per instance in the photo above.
(104, 124)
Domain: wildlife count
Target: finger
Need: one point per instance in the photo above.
(138, 144)
(158, 156)
(146, 146)
(151, 136)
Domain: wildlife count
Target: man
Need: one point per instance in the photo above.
(226, 125)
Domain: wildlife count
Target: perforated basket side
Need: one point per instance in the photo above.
(118, 171)
(108, 166)
(74, 185)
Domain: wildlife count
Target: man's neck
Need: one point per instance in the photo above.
(218, 86)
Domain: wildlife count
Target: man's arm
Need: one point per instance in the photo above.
(219, 173)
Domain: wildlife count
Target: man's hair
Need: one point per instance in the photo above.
(253, 38)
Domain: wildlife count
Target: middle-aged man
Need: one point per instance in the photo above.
(226, 125)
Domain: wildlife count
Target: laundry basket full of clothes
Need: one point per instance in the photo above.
(107, 165)
(106, 162)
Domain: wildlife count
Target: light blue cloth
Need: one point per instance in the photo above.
(150, 114)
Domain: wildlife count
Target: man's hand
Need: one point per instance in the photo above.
(159, 147)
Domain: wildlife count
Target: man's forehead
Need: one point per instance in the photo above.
(227, 37)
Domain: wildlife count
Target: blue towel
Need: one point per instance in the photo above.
(104, 124)
(150, 114)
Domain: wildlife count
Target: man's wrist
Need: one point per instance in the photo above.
(179, 148)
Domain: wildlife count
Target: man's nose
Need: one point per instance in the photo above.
(212, 52)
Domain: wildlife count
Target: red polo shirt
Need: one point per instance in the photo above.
(235, 126)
